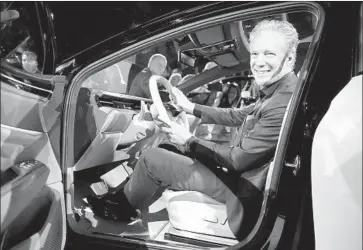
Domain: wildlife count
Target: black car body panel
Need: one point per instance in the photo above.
(328, 74)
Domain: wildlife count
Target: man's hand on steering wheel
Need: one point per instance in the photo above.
(178, 134)
(181, 100)
(178, 130)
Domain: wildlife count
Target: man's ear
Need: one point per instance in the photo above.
(290, 59)
(292, 55)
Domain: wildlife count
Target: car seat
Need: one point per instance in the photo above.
(193, 211)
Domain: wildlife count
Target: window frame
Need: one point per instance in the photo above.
(358, 55)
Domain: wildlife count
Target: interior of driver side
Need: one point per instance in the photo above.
(112, 129)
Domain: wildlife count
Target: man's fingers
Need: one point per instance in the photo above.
(171, 139)
(166, 129)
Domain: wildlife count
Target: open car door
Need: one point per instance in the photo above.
(32, 196)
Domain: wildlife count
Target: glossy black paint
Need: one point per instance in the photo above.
(94, 24)
(47, 38)
(327, 76)
(78, 34)
(88, 34)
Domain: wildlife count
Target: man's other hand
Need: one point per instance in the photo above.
(181, 100)
(178, 134)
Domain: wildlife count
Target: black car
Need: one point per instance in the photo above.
(68, 125)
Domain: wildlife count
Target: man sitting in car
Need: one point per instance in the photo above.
(273, 46)
(140, 85)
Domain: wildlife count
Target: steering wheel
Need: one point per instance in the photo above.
(154, 91)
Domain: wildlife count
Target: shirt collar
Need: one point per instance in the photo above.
(272, 87)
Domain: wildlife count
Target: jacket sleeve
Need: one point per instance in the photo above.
(146, 88)
(255, 150)
(222, 116)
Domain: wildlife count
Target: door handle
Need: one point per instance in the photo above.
(294, 165)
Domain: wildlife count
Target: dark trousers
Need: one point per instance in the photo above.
(160, 167)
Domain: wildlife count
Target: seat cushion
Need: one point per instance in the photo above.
(198, 213)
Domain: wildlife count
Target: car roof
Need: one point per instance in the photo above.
(90, 31)
(81, 25)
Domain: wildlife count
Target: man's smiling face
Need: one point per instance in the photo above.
(268, 50)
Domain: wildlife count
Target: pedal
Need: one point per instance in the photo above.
(115, 178)
(99, 188)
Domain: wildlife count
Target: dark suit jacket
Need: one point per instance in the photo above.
(259, 129)
(140, 85)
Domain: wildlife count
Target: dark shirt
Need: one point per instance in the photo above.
(140, 85)
(259, 129)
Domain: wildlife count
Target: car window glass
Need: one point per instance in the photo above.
(118, 78)
(21, 42)
(109, 79)
(197, 52)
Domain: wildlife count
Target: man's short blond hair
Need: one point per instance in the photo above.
(284, 28)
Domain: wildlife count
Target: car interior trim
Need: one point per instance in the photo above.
(45, 80)
(125, 96)
(15, 82)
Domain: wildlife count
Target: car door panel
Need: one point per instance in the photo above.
(13, 142)
(30, 112)
(26, 180)
(42, 225)
(24, 109)
(19, 145)
(27, 123)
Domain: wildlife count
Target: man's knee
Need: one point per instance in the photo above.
(173, 147)
(151, 158)
(153, 153)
